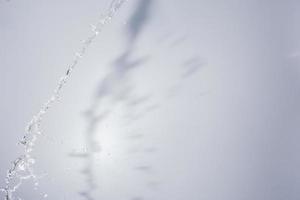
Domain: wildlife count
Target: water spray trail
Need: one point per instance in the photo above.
(22, 166)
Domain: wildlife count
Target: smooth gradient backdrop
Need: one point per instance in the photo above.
(179, 100)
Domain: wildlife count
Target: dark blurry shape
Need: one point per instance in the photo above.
(191, 61)
(117, 88)
(143, 150)
(143, 112)
(137, 198)
(136, 136)
(86, 195)
(138, 19)
(153, 184)
(191, 66)
(151, 108)
(138, 101)
(145, 168)
(150, 150)
(178, 41)
(78, 155)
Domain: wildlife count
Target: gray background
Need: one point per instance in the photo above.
(197, 99)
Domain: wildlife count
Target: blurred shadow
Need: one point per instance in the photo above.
(144, 168)
(138, 19)
(137, 198)
(116, 88)
(191, 66)
(178, 41)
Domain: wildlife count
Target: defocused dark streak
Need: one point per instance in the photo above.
(115, 86)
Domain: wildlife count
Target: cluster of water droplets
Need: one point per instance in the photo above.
(22, 166)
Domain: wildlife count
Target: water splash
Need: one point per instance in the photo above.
(22, 166)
